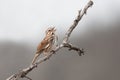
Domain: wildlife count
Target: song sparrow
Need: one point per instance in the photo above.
(46, 44)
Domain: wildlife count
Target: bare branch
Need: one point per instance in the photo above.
(76, 21)
(71, 47)
(65, 43)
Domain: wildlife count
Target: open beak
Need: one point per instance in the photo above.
(54, 29)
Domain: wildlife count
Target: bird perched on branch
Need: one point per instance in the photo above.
(46, 45)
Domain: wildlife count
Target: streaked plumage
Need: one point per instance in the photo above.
(46, 44)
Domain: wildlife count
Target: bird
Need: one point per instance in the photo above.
(46, 45)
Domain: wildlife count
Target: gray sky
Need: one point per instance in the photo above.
(23, 20)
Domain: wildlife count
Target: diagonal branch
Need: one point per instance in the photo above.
(65, 43)
(75, 23)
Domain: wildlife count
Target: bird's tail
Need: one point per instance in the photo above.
(35, 58)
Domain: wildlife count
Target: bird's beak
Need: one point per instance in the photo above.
(54, 29)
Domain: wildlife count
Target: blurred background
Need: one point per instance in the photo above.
(22, 26)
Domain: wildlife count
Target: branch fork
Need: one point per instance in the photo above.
(71, 47)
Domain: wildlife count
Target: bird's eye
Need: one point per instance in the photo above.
(49, 30)
(52, 33)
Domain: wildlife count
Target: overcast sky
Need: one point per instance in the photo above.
(27, 19)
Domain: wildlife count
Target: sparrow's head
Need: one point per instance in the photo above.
(50, 30)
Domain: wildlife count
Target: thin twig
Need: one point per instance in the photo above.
(71, 47)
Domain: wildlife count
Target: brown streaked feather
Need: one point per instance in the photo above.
(46, 44)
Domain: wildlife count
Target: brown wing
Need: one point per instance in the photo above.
(42, 45)
(45, 43)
